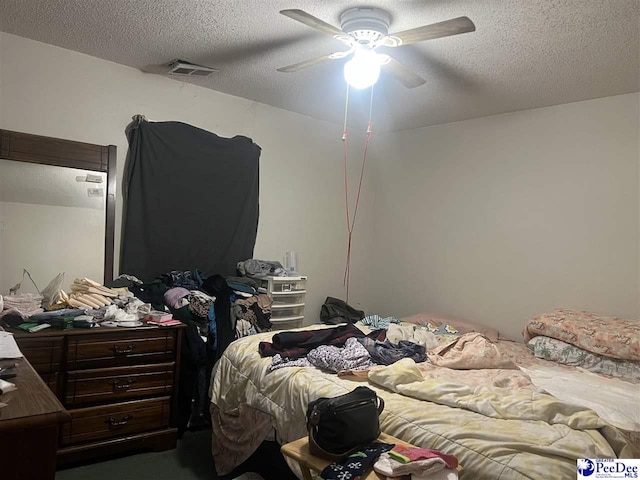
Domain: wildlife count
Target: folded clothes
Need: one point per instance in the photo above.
(175, 297)
(64, 312)
(389, 467)
(417, 453)
(22, 299)
(86, 285)
(17, 308)
(260, 268)
(355, 465)
(25, 303)
(423, 463)
(87, 293)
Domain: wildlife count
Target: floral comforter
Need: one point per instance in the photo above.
(494, 420)
(600, 334)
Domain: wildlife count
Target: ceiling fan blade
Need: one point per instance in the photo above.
(308, 63)
(311, 21)
(405, 76)
(455, 26)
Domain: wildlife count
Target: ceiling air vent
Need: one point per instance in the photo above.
(180, 67)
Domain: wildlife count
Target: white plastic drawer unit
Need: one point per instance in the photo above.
(287, 298)
(288, 295)
(287, 284)
(286, 311)
(286, 323)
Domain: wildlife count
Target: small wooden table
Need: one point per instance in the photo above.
(29, 426)
(298, 450)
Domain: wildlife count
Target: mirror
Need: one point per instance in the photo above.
(57, 210)
(52, 220)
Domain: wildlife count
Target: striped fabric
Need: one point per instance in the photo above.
(376, 322)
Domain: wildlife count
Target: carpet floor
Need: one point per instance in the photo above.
(191, 460)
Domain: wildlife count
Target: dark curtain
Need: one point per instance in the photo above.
(190, 200)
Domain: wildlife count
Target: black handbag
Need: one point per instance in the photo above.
(343, 425)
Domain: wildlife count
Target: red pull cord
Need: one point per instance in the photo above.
(351, 222)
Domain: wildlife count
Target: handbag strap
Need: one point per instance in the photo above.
(317, 450)
(380, 405)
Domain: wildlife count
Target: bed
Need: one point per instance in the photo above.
(496, 420)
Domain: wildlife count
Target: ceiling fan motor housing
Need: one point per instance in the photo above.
(366, 25)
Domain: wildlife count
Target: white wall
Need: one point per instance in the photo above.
(51, 91)
(495, 219)
(503, 217)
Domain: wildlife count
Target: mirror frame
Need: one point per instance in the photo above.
(25, 147)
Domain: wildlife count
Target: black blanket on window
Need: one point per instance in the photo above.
(190, 200)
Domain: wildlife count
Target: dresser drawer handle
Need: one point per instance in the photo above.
(122, 384)
(113, 423)
(122, 350)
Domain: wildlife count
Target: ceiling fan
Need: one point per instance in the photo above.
(364, 30)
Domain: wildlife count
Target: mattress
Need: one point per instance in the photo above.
(495, 421)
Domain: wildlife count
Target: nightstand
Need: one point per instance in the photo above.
(298, 450)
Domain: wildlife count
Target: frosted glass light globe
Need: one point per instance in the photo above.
(363, 70)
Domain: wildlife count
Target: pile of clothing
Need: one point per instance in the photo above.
(219, 310)
(261, 268)
(216, 311)
(250, 310)
(89, 294)
(15, 309)
(341, 349)
(346, 350)
(90, 302)
(394, 462)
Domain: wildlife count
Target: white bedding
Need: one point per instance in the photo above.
(616, 401)
(496, 432)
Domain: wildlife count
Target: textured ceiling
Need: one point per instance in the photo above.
(524, 53)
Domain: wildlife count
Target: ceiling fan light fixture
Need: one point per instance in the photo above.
(363, 70)
(365, 29)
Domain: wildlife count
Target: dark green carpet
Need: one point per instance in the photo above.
(191, 460)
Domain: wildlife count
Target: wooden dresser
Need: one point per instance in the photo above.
(29, 426)
(118, 384)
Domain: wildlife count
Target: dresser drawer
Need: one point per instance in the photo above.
(52, 381)
(117, 420)
(118, 349)
(118, 383)
(43, 353)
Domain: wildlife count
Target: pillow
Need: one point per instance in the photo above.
(558, 351)
(601, 334)
(463, 326)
